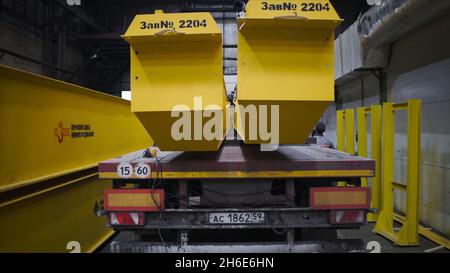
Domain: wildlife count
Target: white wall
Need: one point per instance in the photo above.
(419, 68)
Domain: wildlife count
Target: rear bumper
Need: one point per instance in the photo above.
(274, 218)
(334, 246)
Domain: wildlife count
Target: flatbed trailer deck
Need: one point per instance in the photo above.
(247, 161)
(238, 182)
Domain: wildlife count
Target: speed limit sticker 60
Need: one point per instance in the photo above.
(142, 170)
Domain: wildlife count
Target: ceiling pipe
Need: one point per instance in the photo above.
(393, 19)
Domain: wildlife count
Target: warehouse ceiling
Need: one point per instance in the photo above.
(94, 28)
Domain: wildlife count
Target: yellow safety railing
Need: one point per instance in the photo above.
(383, 183)
(375, 121)
(408, 234)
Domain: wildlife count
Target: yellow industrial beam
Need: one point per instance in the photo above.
(53, 136)
(51, 128)
(50, 218)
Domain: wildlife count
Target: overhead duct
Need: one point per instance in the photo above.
(393, 19)
(366, 44)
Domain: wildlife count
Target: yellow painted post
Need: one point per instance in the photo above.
(350, 131)
(375, 111)
(409, 234)
(375, 115)
(340, 130)
(384, 225)
(362, 138)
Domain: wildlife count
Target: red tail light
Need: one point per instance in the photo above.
(126, 218)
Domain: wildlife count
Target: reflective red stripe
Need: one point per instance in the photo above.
(347, 216)
(126, 218)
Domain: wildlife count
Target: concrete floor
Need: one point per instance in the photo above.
(365, 233)
(387, 246)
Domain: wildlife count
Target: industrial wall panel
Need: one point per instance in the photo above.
(434, 203)
(430, 84)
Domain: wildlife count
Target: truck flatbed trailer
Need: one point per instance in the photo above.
(240, 188)
(247, 161)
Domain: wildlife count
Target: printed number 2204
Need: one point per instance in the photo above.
(315, 7)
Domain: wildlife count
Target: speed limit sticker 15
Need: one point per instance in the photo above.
(126, 170)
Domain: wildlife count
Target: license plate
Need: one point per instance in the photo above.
(237, 218)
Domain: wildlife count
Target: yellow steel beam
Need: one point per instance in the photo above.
(48, 219)
(50, 128)
(53, 136)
